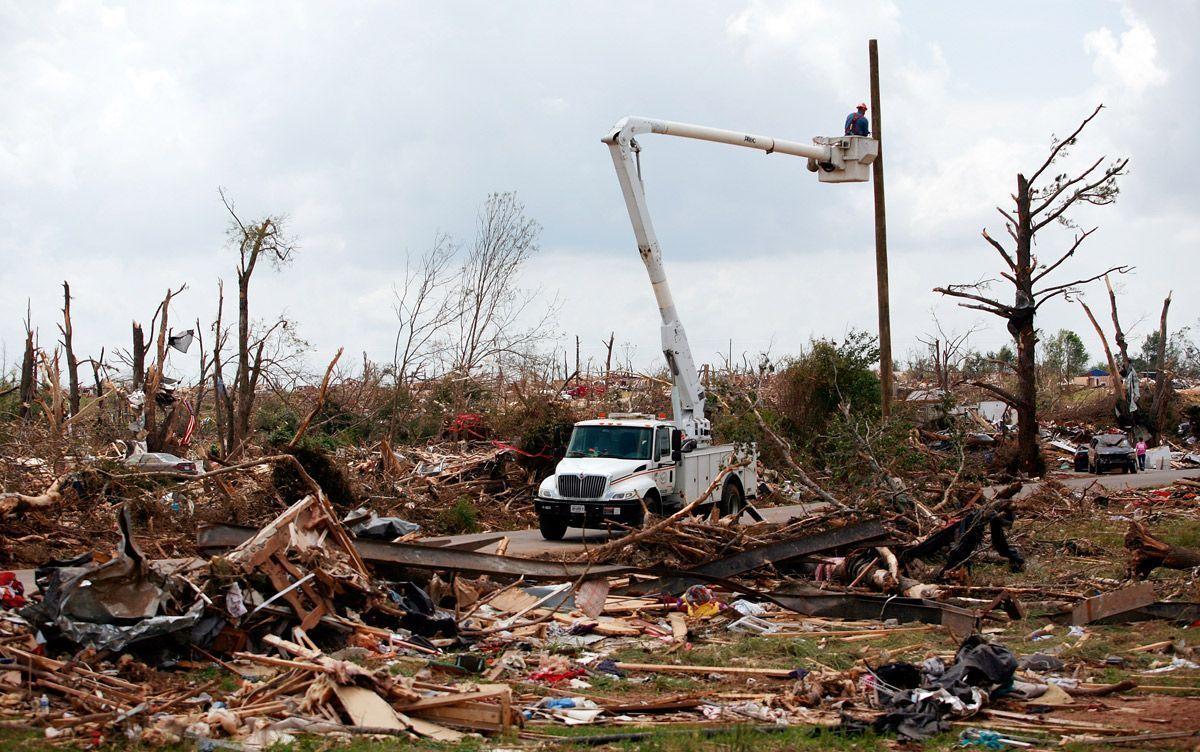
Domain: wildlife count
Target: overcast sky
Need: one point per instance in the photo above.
(374, 126)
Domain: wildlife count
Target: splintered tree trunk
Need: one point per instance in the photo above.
(1021, 327)
(1115, 384)
(28, 380)
(1147, 553)
(1027, 427)
(244, 394)
(139, 356)
(1162, 384)
(608, 346)
(161, 438)
(1124, 416)
(97, 369)
(72, 364)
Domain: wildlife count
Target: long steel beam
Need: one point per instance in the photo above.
(421, 556)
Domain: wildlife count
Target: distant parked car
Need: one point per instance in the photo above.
(153, 462)
(1111, 450)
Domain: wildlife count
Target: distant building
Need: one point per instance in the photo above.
(1097, 377)
(924, 395)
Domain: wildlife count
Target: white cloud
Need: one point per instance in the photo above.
(825, 39)
(374, 126)
(1128, 61)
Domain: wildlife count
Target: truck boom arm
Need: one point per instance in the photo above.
(687, 394)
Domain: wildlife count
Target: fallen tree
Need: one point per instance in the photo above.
(1147, 553)
(12, 503)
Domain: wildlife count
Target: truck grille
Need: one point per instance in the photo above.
(581, 486)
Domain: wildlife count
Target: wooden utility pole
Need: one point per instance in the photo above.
(881, 263)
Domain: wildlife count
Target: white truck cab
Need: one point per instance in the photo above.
(620, 466)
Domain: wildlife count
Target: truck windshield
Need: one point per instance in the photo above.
(616, 442)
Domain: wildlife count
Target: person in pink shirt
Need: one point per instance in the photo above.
(1141, 454)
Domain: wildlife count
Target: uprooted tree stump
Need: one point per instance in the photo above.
(1147, 553)
(16, 503)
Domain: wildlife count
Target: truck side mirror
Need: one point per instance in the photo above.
(676, 444)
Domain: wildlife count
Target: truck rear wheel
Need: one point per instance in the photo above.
(732, 499)
(552, 529)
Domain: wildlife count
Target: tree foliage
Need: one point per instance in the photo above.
(813, 385)
(1182, 354)
(1064, 354)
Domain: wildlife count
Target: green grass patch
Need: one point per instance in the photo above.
(735, 738)
(792, 652)
(459, 519)
(227, 681)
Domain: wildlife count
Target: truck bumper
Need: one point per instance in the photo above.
(590, 514)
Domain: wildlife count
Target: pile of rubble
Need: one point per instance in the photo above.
(416, 482)
(304, 628)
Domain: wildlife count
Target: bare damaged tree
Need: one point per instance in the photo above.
(1119, 338)
(423, 309)
(1119, 364)
(489, 301)
(72, 365)
(264, 239)
(202, 380)
(1038, 206)
(99, 377)
(157, 434)
(1125, 379)
(222, 399)
(947, 351)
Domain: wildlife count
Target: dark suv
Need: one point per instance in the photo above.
(1111, 450)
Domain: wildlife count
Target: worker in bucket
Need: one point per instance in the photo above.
(857, 123)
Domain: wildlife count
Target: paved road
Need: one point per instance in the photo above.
(530, 542)
(1118, 482)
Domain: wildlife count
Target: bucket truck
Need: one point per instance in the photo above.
(620, 465)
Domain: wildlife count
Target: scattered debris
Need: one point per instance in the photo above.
(313, 614)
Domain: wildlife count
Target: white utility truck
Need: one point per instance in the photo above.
(619, 465)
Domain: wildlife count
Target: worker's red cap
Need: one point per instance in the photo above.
(862, 106)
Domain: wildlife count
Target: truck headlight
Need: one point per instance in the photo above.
(623, 495)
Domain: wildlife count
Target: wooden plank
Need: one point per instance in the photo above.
(477, 716)
(605, 625)
(486, 691)
(366, 708)
(1110, 604)
(431, 730)
(853, 632)
(775, 673)
(678, 626)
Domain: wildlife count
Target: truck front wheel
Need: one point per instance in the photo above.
(732, 500)
(553, 529)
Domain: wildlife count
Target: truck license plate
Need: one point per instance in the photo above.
(576, 509)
